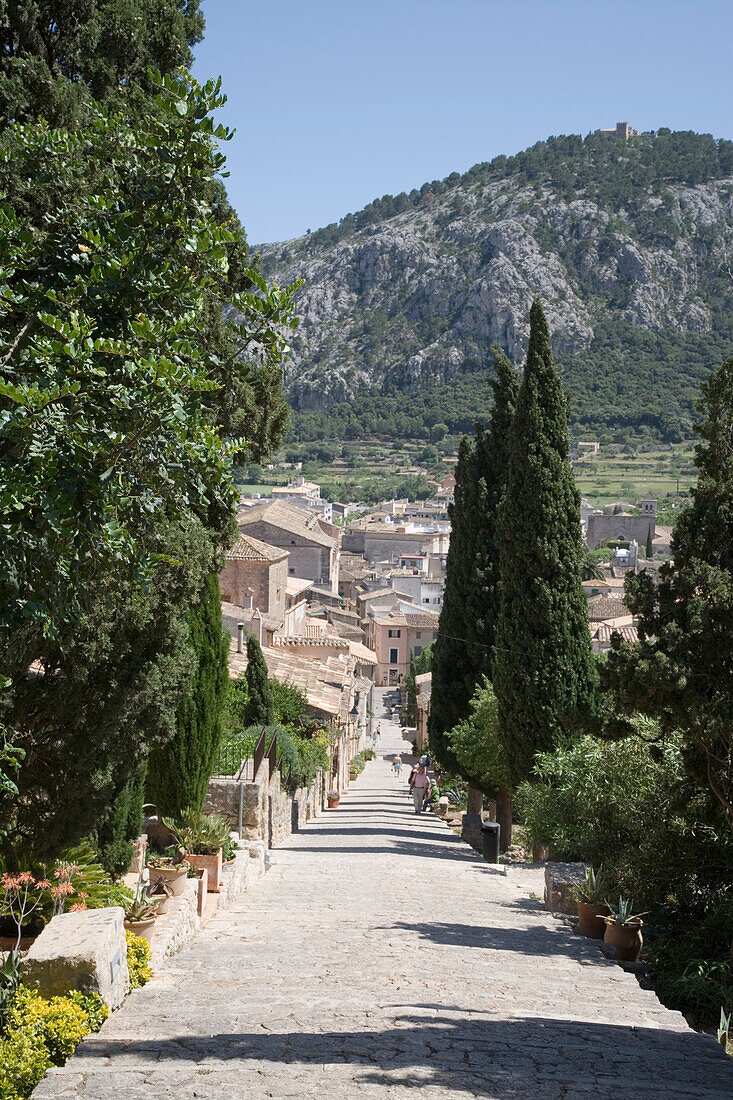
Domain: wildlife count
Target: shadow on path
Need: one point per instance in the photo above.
(453, 1049)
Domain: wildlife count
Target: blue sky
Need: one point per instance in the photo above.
(337, 102)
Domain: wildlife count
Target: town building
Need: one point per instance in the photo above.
(313, 544)
(395, 635)
(620, 526)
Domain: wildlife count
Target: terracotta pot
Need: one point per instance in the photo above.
(626, 938)
(173, 877)
(590, 919)
(142, 928)
(333, 803)
(202, 884)
(211, 864)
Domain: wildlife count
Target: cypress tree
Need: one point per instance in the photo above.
(492, 463)
(259, 709)
(649, 544)
(543, 672)
(179, 772)
(462, 651)
(454, 658)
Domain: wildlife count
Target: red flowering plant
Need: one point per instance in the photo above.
(23, 894)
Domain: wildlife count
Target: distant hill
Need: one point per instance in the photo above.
(628, 243)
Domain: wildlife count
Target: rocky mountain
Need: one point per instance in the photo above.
(628, 243)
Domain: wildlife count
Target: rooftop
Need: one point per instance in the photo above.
(288, 518)
(247, 548)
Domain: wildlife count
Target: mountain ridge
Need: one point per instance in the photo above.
(626, 242)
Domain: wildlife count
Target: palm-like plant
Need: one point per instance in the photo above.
(590, 567)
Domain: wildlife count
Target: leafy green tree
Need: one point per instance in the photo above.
(590, 564)
(470, 606)
(492, 465)
(58, 58)
(476, 745)
(543, 672)
(121, 824)
(681, 670)
(259, 709)
(115, 485)
(179, 771)
(418, 666)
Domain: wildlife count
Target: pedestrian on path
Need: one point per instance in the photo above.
(420, 788)
(397, 766)
(377, 735)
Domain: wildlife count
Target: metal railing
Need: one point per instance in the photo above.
(259, 752)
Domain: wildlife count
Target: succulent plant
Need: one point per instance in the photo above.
(623, 913)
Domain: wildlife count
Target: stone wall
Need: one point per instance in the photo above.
(603, 528)
(269, 814)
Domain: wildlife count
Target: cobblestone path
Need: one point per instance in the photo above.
(380, 956)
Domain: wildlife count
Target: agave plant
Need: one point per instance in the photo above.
(594, 890)
(725, 1034)
(623, 913)
(141, 907)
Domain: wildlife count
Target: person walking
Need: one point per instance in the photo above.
(397, 766)
(420, 788)
(377, 735)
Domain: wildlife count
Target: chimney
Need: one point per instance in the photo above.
(240, 637)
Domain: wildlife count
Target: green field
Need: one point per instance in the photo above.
(610, 477)
(376, 470)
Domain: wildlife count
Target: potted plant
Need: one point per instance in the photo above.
(169, 870)
(159, 894)
(592, 905)
(333, 798)
(623, 931)
(201, 837)
(140, 914)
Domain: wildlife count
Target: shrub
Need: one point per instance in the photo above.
(23, 1063)
(633, 807)
(40, 1033)
(592, 801)
(138, 960)
(356, 764)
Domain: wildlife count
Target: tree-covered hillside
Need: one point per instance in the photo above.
(628, 244)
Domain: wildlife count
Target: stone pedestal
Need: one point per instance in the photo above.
(471, 831)
(85, 950)
(560, 880)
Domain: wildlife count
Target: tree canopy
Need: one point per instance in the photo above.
(59, 59)
(681, 670)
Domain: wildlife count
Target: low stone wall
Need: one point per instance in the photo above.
(268, 813)
(182, 920)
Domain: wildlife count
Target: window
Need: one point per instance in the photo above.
(418, 650)
(394, 656)
(418, 633)
(426, 599)
(292, 570)
(394, 634)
